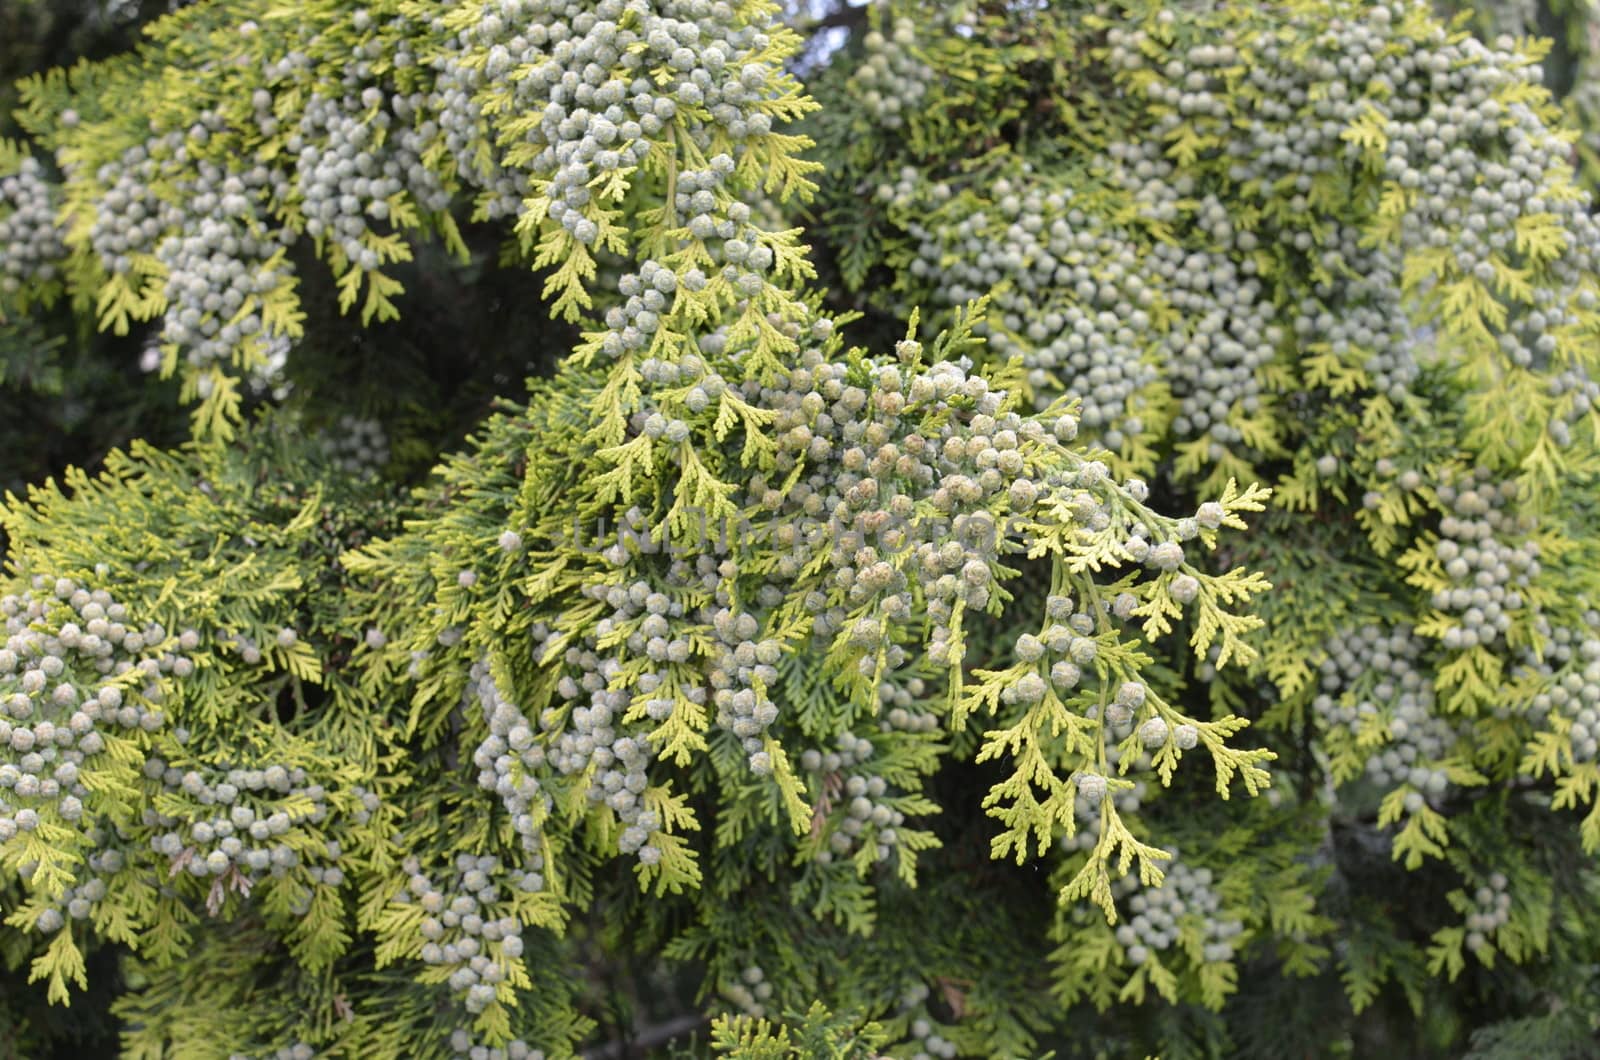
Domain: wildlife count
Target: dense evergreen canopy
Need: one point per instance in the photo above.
(566, 526)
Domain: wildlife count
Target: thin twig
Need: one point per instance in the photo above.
(646, 1037)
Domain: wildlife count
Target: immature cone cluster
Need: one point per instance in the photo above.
(1582, 396)
(1367, 324)
(750, 992)
(1472, 203)
(1092, 790)
(217, 263)
(132, 218)
(891, 80)
(366, 158)
(516, 1049)
(1491, 909)
(1071, 294)
(359, 445)
(745, 667)
(873, 439)
(243, 825)
(29, 234)
(867, 457)
(1374, 679)
(1161, 913)
(1226, 335)
(588, 74)
(1231, 327)
(921, 1033)
(738, 665)
(1485, 555)
(1260, 149)
(94, 880)
(508, 762)
(462, 930)
(73, 668)
(594, 733)
(1568, 674)
(901, 714)
(1069, 650)
(633, 323)
(868, 813)
(850, 750)
(268, 377)
(452, 112)
(347, 176)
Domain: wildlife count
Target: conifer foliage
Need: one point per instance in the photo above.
(1174, 628)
